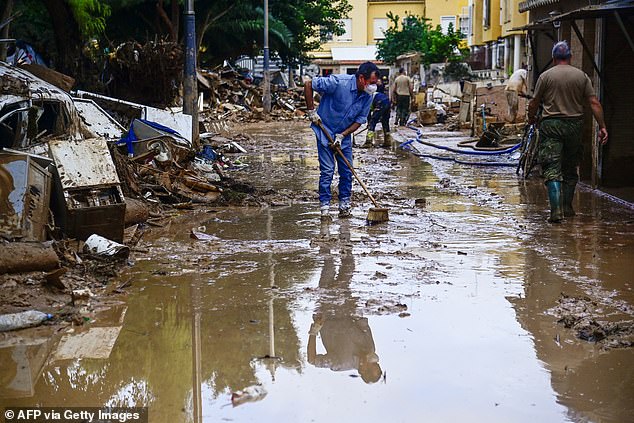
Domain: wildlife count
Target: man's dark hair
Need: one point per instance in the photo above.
(401, 70)
(366, 69)
(561, 51)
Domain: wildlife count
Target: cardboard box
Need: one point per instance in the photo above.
(427, 116)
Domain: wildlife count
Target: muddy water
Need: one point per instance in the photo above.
(443, 314)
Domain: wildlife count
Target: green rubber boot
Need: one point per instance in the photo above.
(554, 197)
(568, 193)
(369, 140)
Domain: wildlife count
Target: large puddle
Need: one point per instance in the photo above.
(442, 314)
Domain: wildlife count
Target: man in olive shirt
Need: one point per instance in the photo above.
(563, 90)
(402, 94)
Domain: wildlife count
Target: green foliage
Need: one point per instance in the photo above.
(307, 19)
(90, 15)
(417, 35)
(294, 27)
(227, 28)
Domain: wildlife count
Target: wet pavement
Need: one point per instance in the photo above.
(448, 312)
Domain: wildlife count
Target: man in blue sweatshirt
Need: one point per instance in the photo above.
(345, 102)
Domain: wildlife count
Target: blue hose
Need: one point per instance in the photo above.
(406, 146)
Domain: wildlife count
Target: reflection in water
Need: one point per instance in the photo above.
(196, 351)
(346, 336)
(590, 253)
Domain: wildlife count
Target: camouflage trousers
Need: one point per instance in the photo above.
(560, 149)
(402, 109)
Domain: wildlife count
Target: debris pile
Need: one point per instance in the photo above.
(77, 189)
(587, 319)
(228, 95)
(151, 73)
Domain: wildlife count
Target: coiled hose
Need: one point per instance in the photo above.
(406, 146)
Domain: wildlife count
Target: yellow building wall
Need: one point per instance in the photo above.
(358, 14)
(517, 19)
(495, 29)
(434, 9)
(476, 38)
(400, 8)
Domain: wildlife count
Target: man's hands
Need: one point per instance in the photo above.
(315, 327)
(603, 135)
(337, 142)
(314, 117)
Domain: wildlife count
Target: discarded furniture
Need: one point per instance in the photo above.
(88, 198)
(25, 193)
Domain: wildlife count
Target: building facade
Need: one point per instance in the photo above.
(495, 39)
(364, 26)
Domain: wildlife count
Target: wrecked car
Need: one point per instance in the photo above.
(33, 111)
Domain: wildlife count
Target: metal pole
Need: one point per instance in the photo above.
(194, 297)
(266, 100)
(190, 86)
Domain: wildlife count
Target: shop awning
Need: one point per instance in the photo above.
(587, 12)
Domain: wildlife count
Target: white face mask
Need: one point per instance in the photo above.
(370, 89)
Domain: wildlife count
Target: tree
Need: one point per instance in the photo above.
(5, 22)
(306, 19)
(227, 29)
(232, 28)
(59, 29)
(62, 30)
(416, 35)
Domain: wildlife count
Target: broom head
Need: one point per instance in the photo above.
(377, 215)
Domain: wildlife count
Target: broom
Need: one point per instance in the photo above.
(376, 214)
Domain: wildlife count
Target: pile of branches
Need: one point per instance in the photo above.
(148, 74)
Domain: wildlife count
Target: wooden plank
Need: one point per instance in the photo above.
(469, 88)
(465, 111)
(51, 76)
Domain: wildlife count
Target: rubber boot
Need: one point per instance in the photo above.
(387, 140)
(567, 194)
(369, 140)
(325, 213)
(554, 197)
(345, 209)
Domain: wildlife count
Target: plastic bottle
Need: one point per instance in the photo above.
(25, 319)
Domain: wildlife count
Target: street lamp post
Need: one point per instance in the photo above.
(266, 100)
(190, 87)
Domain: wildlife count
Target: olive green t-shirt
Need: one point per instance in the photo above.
(563, 90)
(402, 85)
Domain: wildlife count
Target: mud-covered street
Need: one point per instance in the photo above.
(466, 306)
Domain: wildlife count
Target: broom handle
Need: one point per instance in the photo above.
(338, 151)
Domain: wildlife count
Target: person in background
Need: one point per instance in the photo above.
(379, 112)
(402, 95)
(563, 90)
(515, 87)
(345, 103)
